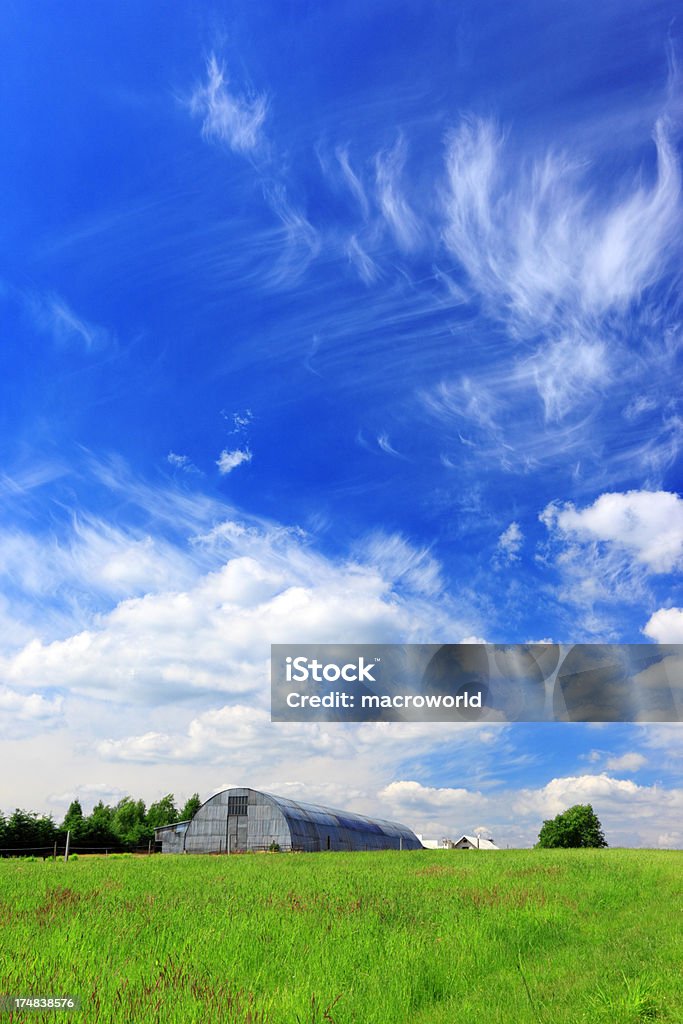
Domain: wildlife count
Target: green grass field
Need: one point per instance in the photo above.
(369, 938)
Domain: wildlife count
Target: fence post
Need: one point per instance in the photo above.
(149, 846)
(66, 848)
(54, 852)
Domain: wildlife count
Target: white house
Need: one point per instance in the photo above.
(474, 843)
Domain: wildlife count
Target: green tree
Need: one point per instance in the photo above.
(129, 823)
(163, 812)
(576, 827)
(190, 808)
(25, 829)
(74, 821)
(98, 829)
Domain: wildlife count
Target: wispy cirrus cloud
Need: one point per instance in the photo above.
(228, 117)
(389, 166)
(299, 240)
(538, 243)
(53, 315)
(181, 462)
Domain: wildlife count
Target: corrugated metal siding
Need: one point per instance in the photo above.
(290, 825)
(171, 837)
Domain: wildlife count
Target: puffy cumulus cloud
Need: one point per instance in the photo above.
(239, 734)
(213, 638)
(665, 626)
(631, 815)
(226, 116)
(227, 461)
(630, 762)
(29, 707)
(610, 793)
(607, 552)
(647, 525)
(410, 794)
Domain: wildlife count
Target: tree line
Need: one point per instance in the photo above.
(127, 826)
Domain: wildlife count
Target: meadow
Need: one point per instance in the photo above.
(570, 936)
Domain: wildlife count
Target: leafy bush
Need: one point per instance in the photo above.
(576, 827)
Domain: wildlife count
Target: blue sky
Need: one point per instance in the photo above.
(336, 325)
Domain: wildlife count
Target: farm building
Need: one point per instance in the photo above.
(435, 844)
(474, 843)
(241, 820)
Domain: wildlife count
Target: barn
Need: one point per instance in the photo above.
(243, 820)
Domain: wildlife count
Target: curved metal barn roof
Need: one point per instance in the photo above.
(247, 819)
(294, 809)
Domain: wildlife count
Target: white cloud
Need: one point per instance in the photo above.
(181, 462)
(54, 316)
(510, 542)
(665, 626)
(88, 794)
(413, 568)
(352, 180)
(96, 557)
(630, 762)
(227, 117)
(298, 241)
(213, 637)
(558, 794)
(368, 271)
(28, 707)
(537, 242)
(567, 372)
(645, 525)
(466, 398)
(397, 213)
(227, 461)
(413, 795)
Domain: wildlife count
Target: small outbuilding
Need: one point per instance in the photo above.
(474, 843)
(246, 820)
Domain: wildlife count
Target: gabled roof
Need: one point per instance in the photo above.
(480, 844)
